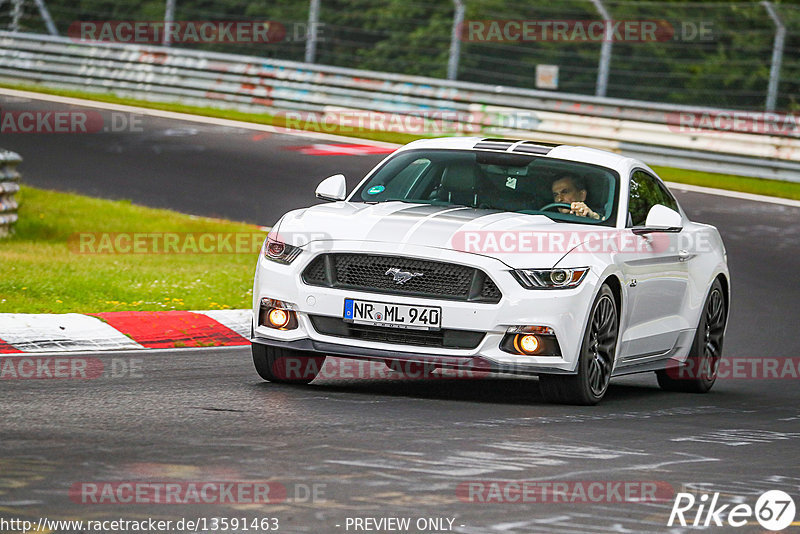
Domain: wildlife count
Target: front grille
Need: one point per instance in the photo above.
(368, 272)
(445, 338)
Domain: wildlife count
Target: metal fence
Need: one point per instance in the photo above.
(9, 185)
(300, 93)
(739, 55)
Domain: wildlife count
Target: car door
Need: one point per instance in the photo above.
(656, 274)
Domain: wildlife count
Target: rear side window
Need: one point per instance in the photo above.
(645, 192)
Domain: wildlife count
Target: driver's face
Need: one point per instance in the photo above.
(565, 191)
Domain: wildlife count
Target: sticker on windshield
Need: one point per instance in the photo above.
(374, 190)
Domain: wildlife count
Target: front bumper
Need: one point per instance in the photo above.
(474, 363)
(565, 311)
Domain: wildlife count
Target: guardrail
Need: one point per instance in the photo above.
(9, 185)
(661, 134)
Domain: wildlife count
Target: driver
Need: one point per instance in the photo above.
(572, 190)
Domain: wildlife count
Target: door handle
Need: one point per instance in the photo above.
(684, 255)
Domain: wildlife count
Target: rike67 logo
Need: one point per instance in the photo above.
(774, 510)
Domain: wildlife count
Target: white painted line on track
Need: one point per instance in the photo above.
(734, 194)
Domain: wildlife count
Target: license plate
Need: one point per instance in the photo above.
(392, 315)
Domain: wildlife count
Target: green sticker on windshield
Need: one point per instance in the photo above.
(374, 190)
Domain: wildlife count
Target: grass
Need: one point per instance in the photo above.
(722, 181)
(759, 186)
(45, 270)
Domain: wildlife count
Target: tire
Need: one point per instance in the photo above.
(596, 360)
(699, 372)
(286, 366)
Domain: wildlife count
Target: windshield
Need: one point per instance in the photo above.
(559, 189)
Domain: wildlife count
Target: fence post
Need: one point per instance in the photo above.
(605, 49)
(777, 56)
(45, 14)
(455, 40)
(169, 18)
(16, 14)
(311, 38)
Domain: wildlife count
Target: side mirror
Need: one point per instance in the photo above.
(660, 219)
(332, 188)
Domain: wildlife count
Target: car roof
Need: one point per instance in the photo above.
(582, 154)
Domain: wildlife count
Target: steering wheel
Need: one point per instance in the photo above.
(555, 205)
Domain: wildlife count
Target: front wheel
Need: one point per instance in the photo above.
(286, 366)
(699, 372)
(596, 360)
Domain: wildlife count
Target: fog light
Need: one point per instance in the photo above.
(526, 344)
(277, 314)
(278, 318)
(530, 340)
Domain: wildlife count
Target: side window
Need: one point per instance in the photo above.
(668, 200)
(646, 192)
(643, 195)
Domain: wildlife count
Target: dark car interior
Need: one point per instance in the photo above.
(486, 180)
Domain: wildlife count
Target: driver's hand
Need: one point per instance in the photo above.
(582, 210)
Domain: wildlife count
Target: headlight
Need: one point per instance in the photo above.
(550, 278)
(280, 252)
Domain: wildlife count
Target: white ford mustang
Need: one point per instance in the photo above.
(565, 262)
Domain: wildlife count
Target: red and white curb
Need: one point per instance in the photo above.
(71, 332)
(344, 149)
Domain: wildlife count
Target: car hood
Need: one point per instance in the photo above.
(485, 232)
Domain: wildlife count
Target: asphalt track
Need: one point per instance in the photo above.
(383, 447)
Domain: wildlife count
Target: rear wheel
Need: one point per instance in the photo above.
(286, 366)
(596, 360)
(699, 372)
